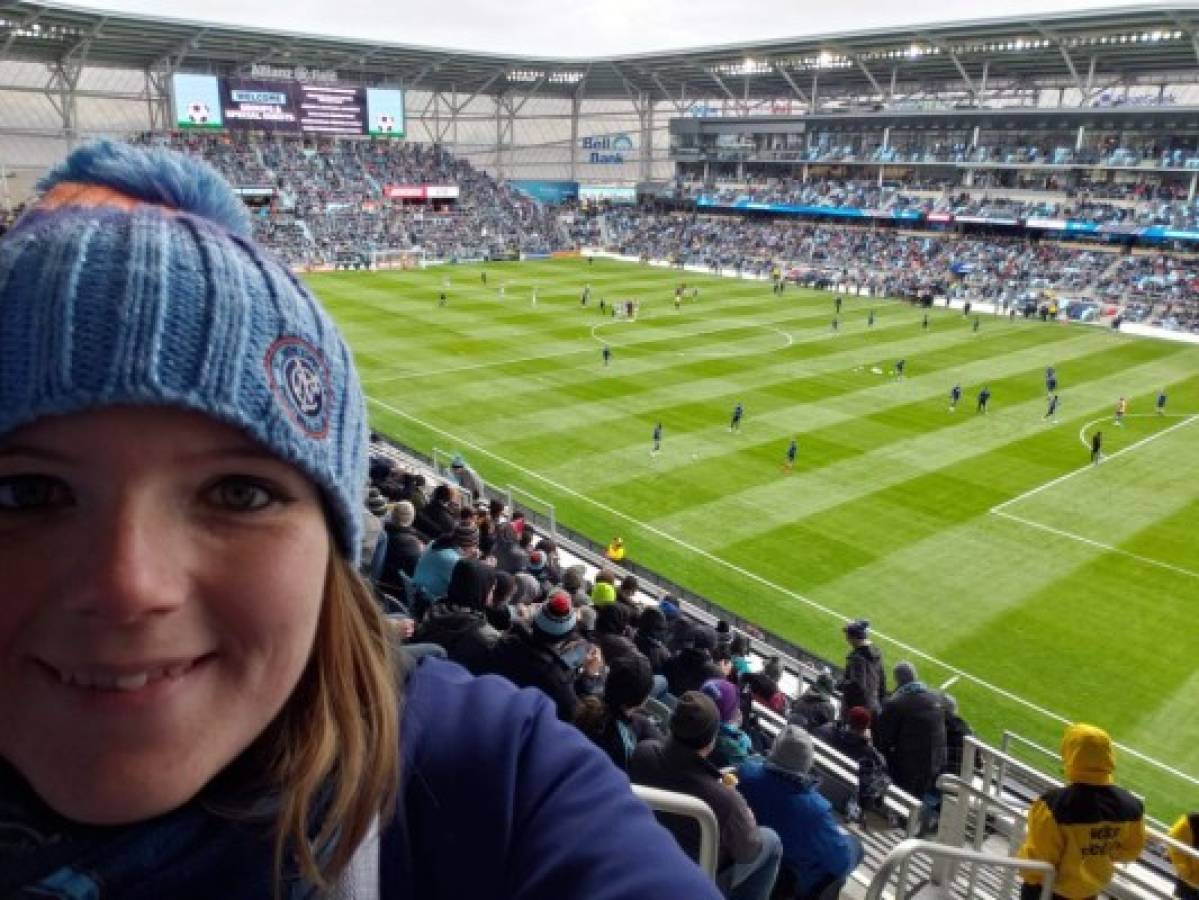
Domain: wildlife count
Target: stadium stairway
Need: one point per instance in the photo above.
(985, 804)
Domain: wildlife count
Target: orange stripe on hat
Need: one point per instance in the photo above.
(76, 193)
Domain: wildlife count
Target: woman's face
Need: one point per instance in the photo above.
(162, 581)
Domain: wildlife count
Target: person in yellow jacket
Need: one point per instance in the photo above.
(615, 551)
(1086, 826)
(1185, 831)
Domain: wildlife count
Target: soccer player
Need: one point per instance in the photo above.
(1161, 402)
(836, 323)
(484, 276)
(955, 395)
(657, 440)
(870, 319)
(837, 304)
(924, 322)
(1121, 409)
(1050, 380)
(899, 367)
(792, 449)
(534, 303)
(677, 301)
(1096, 448)
(601, 305)
(442, 300)
(1051, 413)
(738, 412)
(977, 323)
(607, 353)
(984, 397)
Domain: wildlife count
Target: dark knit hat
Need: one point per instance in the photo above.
(695, 720)
(703, 638)
(556, 617)
(724, 695)
(651, 621)
(824, 684)
(134, 281)
(611, 619)
(669, 607)
(630, 680)
(466, 535)
(858, 629)
(471, 582)
(773, 669)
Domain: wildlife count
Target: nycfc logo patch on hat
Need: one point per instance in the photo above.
(300, 381)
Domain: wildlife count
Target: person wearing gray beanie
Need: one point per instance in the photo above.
(183, 445)
(910, 732)
(784, 795)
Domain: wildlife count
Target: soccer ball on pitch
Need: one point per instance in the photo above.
(385, 122)
(198, 113)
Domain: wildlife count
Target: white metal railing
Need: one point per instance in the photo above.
(692, 808)
(968, 816)
(898, 865)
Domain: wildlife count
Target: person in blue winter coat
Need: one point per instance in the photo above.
(818, 855)
(201, 697)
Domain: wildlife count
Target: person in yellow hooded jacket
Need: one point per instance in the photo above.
(1086, 827)
(1186, 831)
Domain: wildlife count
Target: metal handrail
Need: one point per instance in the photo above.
(677, 804)
(900, 859)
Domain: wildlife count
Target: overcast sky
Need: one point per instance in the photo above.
(582, 27)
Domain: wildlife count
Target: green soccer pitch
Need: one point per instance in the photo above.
(984, 548)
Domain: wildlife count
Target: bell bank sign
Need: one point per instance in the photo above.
(607, 149)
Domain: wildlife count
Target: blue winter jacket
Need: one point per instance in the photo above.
(813, 844)
(434, 568)
(501, 800)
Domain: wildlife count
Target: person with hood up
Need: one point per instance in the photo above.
(864, 682)
(688, 669)
(651, 639)
(615, 551)
(910, 733)
(1086, 827)
(616, 723)
(1186, 866)
(440, 515)
(733, 745)
(509, 557)
(457, 621)
(431, 578)
(611, 633)
(814, 707)
(782, 791)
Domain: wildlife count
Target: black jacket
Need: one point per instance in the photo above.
(522, 658)
(464, 633)
(618, 736)
(812, 710)
(435, 520)
(910, 732)
(674, 767)
(404, 548)
(688, 670)
(653, 649)
(864, 682)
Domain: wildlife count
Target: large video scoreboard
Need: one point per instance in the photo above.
(207, 101)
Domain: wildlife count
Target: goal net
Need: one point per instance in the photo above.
(408, 258)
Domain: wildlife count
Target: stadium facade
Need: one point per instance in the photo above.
(67, 75)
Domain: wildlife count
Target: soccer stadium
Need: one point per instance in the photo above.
(841, 386)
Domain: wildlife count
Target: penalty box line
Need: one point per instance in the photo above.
(767, 583)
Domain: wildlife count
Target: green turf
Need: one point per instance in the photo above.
(1077, 601)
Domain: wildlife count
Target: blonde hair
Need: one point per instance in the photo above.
(335, 745)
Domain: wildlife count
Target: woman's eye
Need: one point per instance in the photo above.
(32, 493)
(243, 494)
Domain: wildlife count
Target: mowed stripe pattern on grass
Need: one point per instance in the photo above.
(886, 513)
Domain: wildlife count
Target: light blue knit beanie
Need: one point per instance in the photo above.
(134, 282)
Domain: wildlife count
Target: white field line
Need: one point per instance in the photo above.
(1190, 417)
(766, 583)
(1098, 544)
(787, 337)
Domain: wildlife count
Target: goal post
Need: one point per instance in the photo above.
(398, 258)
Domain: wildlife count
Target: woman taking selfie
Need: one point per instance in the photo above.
(198, 696)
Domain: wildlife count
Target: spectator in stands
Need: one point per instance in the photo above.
(431, 578)
(851, 737)
(910, 732)
(864, 682)
(782, 791)
(612, 633)
(1186, 831)
(163, 515)
(553, 562)
(457, 622)
(372, 526)
(814, 707)
(626, 595)
(1082, 829)
(573, 583)
(957, 730)
(615, 551)
(733, 745)
(739, 650)
(545, 654)
(749, 854)
(765, 686)
(440, 515)
(651, 639)
(603, 593)
(404, 545)
(509, 557)
(468, 479)
(688, 669)
(616, 722)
